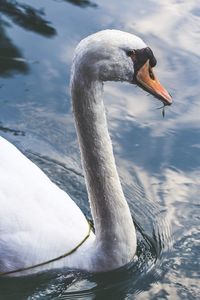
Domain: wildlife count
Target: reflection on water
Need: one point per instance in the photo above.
(81, 3)
(13, 131)
(27, 17)
(10, 55)
(158, 160)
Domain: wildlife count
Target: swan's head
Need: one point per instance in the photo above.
(113, 55)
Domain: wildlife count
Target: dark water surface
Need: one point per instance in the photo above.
(158, 159)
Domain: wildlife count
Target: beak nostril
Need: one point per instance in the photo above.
(151, 74)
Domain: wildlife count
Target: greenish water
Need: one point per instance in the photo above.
(158, 159)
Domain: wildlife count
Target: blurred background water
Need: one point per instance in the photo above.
(158, 159)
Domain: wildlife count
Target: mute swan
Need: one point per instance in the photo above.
(39, 221)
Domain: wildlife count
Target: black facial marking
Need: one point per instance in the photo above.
(140, 57)
(152, 59)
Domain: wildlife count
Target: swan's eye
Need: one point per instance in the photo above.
(130, 52)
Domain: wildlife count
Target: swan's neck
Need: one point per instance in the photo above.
(114, 229)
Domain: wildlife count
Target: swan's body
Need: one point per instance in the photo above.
(39, 221)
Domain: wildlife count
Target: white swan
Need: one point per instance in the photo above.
(39, 221)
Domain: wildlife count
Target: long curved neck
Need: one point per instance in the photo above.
(114, 229)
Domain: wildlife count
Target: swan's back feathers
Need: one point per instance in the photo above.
(33, 210)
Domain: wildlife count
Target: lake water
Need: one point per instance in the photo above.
(158, 158)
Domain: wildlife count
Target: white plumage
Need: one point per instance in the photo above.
(39, 221)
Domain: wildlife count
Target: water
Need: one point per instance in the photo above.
(158, 159)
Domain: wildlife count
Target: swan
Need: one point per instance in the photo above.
(39, 222)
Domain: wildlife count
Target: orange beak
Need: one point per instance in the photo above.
(149, 82)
